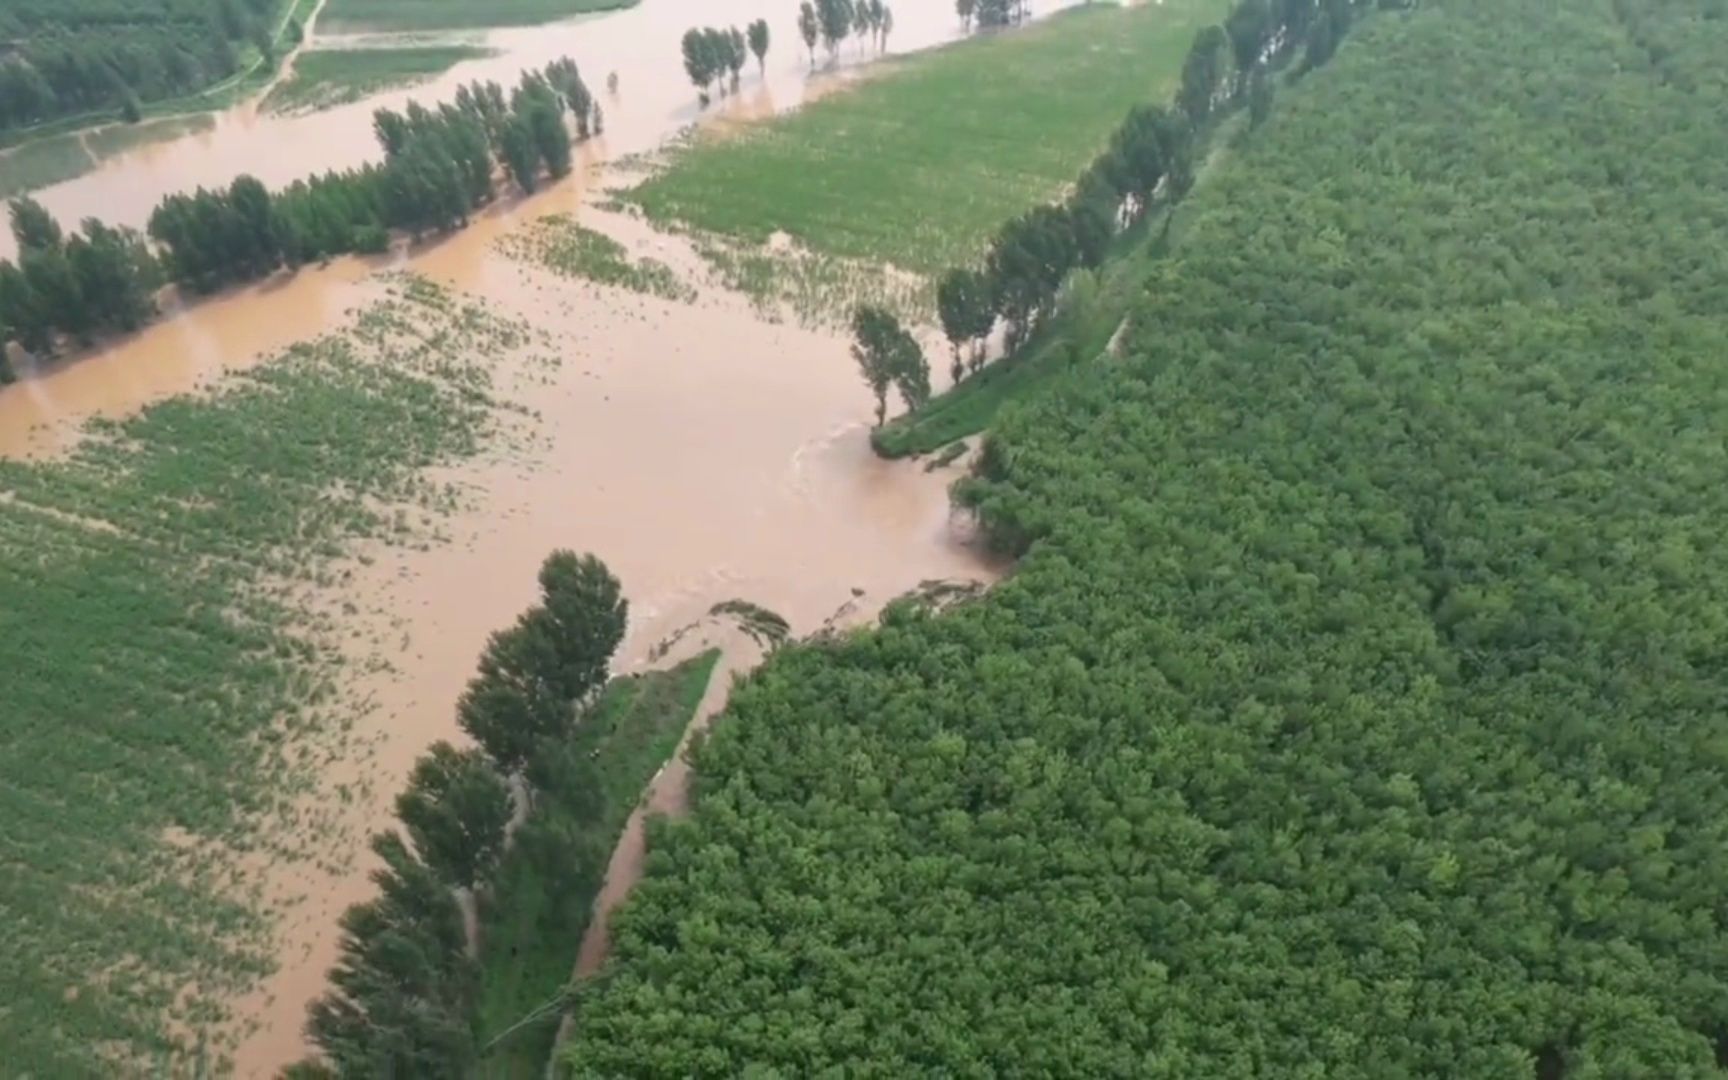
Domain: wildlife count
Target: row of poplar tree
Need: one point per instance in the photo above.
(439, 166)
(1150, 157)
(710, 53)
(832, 21)
(404, 992)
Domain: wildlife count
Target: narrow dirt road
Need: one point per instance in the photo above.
(668, 794)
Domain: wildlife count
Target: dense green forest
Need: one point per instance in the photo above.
(1354, 709)
(68, 57)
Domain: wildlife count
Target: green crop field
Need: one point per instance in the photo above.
(165, 692)
(328, 77)
(402, 15)
(918, 165)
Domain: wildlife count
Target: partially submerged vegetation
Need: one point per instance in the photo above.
(919, 166)
(769, 629)
(167, 693)
(406, 15)
(325, 78)
(562, 245)
(1354, 709)
(783, 280)
(1089, 313)
(439, 167)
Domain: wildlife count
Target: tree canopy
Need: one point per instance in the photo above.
(72, 57)
(535, 673)
(456, 807)
(888, 356)
(1355, 707)
(405, 997)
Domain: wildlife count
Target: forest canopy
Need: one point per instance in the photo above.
(1355, 709)
(69, 57)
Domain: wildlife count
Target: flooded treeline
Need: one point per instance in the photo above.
(406, 993)
(439, 166)
(1151, 157)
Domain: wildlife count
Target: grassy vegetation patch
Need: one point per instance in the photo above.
(454, 14)
(166, 691)
(324, 78)
(115, 139)
(919, 165)
(558, 243)
(536, 917)
(42, 163)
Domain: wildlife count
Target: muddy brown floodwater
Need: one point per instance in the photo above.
(640, 44)
(704, 453)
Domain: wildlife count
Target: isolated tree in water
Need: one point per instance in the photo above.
(585, 605)
(888, 356)
(516, 147)
(735, 53)
(115, 268)
(533, 674)
(23, 311)
(456, 808)
(709, 54)
(993, 13)
(56, 286)
(835, 19)
(861, 24)
(758, 32)
(808, 29)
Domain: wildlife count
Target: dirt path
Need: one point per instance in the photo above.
(285, 69)
(668, 795)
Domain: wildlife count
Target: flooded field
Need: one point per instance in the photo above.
(704, 452)
(639, 45)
